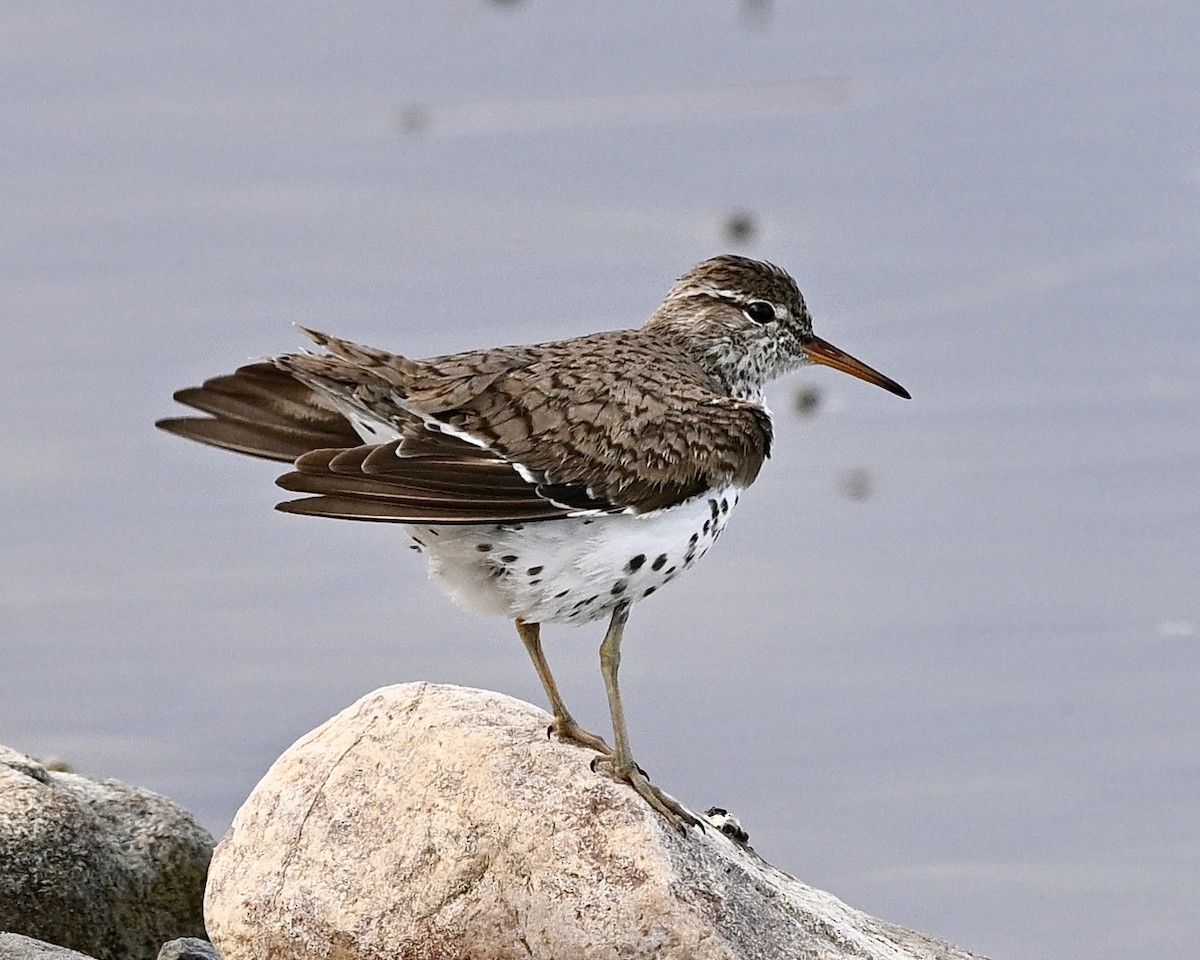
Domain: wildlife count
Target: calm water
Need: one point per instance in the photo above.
(944, 663)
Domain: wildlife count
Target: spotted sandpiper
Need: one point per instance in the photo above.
(558, 482)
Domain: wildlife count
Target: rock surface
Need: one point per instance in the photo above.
(14, 946)
(188, 948)
(96, 865)
(437, 822)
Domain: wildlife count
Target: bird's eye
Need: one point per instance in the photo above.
(760, 311)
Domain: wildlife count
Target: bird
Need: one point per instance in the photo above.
(551, 483)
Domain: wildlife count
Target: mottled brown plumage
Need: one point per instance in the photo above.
(658, 433)
(556, 482)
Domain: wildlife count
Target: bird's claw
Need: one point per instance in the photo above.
(566, 729)
(676, 814)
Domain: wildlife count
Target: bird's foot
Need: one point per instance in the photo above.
(676, 814)
(565, 728)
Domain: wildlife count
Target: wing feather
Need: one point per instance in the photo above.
(405, 489)
(262, 411)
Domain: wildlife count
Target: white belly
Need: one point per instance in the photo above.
(572, 570)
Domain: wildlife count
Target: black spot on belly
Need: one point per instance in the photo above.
(724, 505)
(561, 594)
(483, 547)
(712, 505)
(670, 570)
(634, 565)
(509, 558)
(648, 591)
(534, 571)
(692, 540)
(707, 525)
(619, 587)
(658, 562)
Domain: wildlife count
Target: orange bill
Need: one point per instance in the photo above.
(825, 353)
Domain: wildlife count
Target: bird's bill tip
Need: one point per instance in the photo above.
(825, 353)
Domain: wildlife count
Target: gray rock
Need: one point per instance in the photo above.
(13, 946)
(435, 821)
(188, 948)
(96, 865)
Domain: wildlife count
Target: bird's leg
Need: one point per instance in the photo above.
(620, 760)
(563, 724)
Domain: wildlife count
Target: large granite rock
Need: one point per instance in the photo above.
(438, 822)
(96, 865)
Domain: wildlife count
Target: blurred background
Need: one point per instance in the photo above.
(945, 661)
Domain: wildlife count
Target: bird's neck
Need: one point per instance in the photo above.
(713, 348)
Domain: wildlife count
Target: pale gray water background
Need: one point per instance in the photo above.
(968, 704)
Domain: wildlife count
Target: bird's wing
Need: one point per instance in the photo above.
(264, 410)
(509, 435)
(651, 433)
(384, 482)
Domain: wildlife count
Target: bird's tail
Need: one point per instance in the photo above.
(263, 411)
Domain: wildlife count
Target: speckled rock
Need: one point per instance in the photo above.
(188, 948)
(434, 822)
(14, 946)
(96, 865)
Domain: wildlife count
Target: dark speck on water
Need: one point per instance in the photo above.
(806, 400)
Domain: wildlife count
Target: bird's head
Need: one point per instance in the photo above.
(747, 322)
